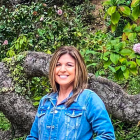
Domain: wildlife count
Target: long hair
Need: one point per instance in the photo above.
(80, 81)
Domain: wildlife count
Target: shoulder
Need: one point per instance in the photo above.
(92, 98)
(90, 94)
(48, 96)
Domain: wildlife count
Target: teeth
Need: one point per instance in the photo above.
(63, 76)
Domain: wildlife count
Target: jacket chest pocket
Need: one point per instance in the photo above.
(73, 118)
(42, 114)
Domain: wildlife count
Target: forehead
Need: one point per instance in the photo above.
(66, 58)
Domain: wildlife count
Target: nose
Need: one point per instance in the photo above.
(63, 68)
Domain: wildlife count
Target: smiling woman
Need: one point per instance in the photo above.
(65, 71)
(70, 112)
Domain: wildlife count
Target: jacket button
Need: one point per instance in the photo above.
(55, 111)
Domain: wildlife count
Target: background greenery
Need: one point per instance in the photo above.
(46, 25)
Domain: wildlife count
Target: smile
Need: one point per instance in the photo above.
(63, 76)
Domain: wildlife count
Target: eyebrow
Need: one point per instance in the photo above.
(67, 62)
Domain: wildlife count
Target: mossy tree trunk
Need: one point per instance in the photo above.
(20, 112)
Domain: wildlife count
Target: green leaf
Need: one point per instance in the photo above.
(38, 98)
(119, 46)
(92, 64)
(106, 54)
(134, 71)
(2, 26)
(115, 17)
(97, 74)
(127, 30)
(132, 55)
(112, 69)
(24, 38)
(91, 52)
(132, 64)
(138, 61)
(108, 2)
(128, 26)
(119, 74)
(114, 42)
(17, 45)
(114, 58)
(136, 12)
(137, 55)
(125, 10)
(48, 52)
(21, 41)
(20, 57)
(126, 73)
(105, 58)
(117, 68)
(113, 27)
(18, 89)
(36, 103)
(125, 52)
(107, 64)
(105, 15)
(79, 34)
(134, 3)
(11, 53)
(123, 67)
(111, 10)
(137, 29)
(132, 36)
(123, 60)
(133, 26)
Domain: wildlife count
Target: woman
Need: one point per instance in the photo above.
(71, 112)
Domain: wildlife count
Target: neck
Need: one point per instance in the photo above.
(64, 91)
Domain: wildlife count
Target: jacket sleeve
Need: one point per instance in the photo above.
(98, 117)
(34, 130)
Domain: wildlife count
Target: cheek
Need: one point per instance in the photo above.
(74, 73)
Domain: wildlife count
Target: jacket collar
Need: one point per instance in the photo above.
(54, 96)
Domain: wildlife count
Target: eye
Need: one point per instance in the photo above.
(70, 65)
(58, 64)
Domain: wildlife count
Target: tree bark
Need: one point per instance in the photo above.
(20, 112)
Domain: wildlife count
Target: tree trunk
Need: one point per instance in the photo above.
(21, 112)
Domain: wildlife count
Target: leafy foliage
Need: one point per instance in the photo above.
(126, 131)
(4, 123)
(127, 11)
(44, 27)
(39, 27)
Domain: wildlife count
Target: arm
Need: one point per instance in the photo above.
(34, 130)
(99, 119)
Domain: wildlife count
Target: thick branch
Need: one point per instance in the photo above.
(37, 64)
(21, 113)
(121, 105)
(16, 108)
(5, 135)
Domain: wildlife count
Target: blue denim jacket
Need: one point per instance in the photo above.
(86, 116)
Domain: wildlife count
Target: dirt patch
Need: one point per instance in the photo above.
(99, 23)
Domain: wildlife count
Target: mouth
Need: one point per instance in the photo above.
(63, 76)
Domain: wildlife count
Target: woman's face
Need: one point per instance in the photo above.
(65, 71)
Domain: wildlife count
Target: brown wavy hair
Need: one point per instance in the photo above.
(80, 82)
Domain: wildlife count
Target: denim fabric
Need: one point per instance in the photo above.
(86, 115)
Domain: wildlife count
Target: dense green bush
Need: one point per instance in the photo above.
(123, 18)
(40, 27)
(44, 27)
